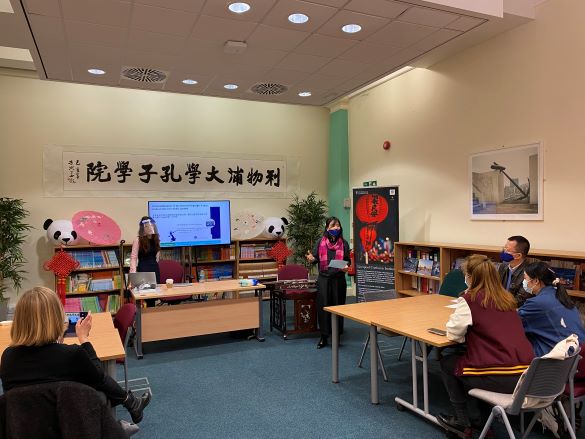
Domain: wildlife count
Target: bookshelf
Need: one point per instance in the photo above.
(569, 265)
(97, 284)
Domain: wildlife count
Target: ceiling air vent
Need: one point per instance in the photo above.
(143, 74)
(269, 88)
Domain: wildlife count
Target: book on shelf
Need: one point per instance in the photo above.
(425, 267)
(410, 265)
(566, 276)
(458, 263)
(436, 270)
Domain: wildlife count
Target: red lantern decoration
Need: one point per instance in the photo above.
(368, 236)
(371, 209)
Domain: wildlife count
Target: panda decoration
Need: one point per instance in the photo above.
(60, 232)
(273, 227)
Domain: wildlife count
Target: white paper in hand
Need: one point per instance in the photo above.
(337, 263)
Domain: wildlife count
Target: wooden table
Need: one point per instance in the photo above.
(198, 318)
(104, 338)
(410, 316)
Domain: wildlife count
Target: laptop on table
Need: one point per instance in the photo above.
(143, 281)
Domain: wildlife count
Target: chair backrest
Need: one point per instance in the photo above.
(170, 269)
(453, 284)
(545, 379)
(124, 319)
(59, 410)
(293, 272)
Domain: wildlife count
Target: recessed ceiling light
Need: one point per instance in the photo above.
(230, 86)
(189, 81)
(239, 7)
(298, 18)
(305, 94)
(96, 71)
(351, 28)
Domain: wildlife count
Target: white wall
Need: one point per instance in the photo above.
(36, 113)
(525, 85)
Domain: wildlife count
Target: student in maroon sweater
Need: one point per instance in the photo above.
(497, 348)
(36, 354)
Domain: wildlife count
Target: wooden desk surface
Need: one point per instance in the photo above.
(409, 316)
(206, 288)
(104, 338)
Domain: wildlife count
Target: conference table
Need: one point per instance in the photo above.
(188, 319)
(410, 317)
(104, 338)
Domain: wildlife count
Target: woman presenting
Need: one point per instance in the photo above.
(331, 284)
(146, 249)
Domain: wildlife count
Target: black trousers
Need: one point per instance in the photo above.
(458, 386)
(331, 291)
(113, 391)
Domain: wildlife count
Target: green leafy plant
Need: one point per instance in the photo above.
(306, 219)
(12, 235)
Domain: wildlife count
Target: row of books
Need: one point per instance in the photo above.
(258, 270)
(254, 251)
(96, 281)
(213, 272)
(424, 285)
(423, 253)
(172, 254)
(98, 303)
(426, 267)
(95, 258)
(215, 253)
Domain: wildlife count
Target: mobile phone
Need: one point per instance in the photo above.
(82, 314)
(437, 331)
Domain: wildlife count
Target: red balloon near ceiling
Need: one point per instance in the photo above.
(371, 209)
(368, 236)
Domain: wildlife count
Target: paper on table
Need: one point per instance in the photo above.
(454, 306)
(455, 300)
(337, 263)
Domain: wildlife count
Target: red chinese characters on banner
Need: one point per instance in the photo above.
(372, 209)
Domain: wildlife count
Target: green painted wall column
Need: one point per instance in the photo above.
(338, 169)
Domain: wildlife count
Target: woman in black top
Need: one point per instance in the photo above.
(36, 354)
(331, 284)
(146, 249)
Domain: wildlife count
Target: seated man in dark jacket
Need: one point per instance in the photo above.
(511, 271)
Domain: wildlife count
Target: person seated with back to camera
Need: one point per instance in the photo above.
(497, 348)
(36, 354)
(514, 257)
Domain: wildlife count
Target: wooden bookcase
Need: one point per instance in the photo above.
(98, 282)
(449, 254)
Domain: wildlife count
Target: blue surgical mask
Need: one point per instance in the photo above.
(526, 287)
(506, 257)
(334, 232)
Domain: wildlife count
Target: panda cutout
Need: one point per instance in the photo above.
(273, 227)
(60, 232)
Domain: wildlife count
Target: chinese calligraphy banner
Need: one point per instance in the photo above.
(90, 172)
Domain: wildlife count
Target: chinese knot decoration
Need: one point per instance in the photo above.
(62, 264)
(279, 252)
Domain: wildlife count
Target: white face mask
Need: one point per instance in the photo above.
(467, 281)
(526, 287)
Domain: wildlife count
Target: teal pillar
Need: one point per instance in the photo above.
(338, 170)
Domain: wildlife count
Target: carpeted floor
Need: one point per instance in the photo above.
(225, 387)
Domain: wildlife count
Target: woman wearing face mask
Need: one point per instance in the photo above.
(331, 285)
(550, 315)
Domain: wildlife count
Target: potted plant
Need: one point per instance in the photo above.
(12, 235)
(306, 219)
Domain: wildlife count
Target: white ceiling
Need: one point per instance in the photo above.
(185, 39)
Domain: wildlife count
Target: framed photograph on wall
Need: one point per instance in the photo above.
(506, 184)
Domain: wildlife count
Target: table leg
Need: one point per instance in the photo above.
(260, 329)
(334, 348)
(374, 364)
(138, 339)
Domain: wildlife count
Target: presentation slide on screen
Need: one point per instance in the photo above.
(184, 223)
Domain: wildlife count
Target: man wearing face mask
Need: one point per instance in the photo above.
(511, 271)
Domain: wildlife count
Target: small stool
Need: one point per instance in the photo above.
(305, 310)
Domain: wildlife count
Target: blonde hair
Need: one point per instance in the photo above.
(38, 318)
(484, 277)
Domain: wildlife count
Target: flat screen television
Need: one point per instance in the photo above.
(186, 223)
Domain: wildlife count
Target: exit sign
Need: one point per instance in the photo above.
(370, 183)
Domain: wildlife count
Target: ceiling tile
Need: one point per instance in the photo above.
(326, 46)
(80, 74)
(369, 24)
(130, 83)
(159, 61)
(257, 56)
(436, 39)
(283, 76)
(465, 23)
(162, 20)
(43, 7)
(428, 17)
(154, 42)
(89, 33)
(111, 12)
(320, 82)
(55, 59)
(318, 15)
(380, 8)
(222, 29)
(342, 68)
(181, 5)
(14, 32)
(369, 53)
(275, 38)
(334, 3)
(219, 81)
(258, 9)
(303, 63)
(174, 82)
(95, 56)
(47, 27)
(401, 34)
